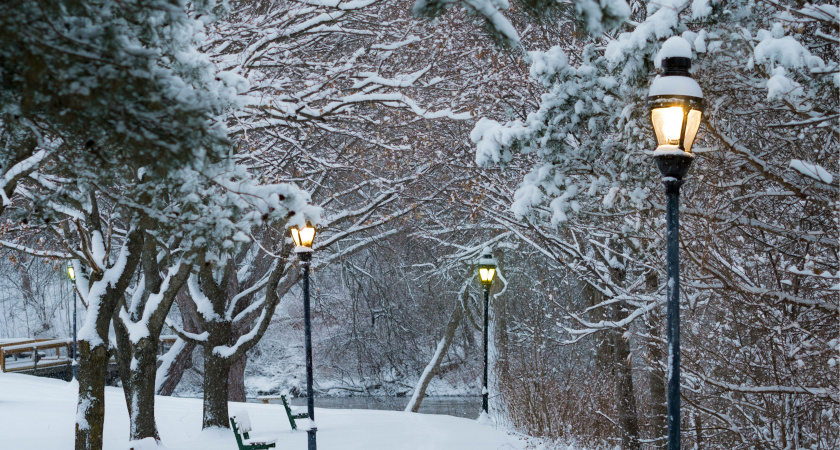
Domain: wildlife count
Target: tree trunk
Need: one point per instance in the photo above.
(656, 372)
(627, 417)
(216, 374)
(434, 364)
(90, 410)
(123, 358)
(142, 391)
(236, 380)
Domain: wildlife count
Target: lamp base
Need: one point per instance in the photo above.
(674, 165)
(304, 253)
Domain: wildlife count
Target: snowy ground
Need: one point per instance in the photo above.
(39, 413)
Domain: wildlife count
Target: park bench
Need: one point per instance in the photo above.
(241, 425)
(289, 413)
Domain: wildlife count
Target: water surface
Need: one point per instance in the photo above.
(468, 407)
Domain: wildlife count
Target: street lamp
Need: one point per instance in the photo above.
(676, 108)
(71, 272)
(303, 238)
(486, 272)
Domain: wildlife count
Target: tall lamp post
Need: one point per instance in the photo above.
(486, 272)
(303, 238)
(676, 108)
(71, 272)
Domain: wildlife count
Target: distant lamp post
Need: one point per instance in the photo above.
(303, 238)
(676, 108)
(486, 272)
(71, 273)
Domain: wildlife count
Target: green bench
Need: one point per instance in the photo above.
(292, 416)
(241, 425)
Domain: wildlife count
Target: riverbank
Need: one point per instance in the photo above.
(40, 413)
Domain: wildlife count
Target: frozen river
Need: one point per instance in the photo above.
(467, 407)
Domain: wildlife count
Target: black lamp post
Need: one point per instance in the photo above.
(486, 272)
(303, 238)
(71, 272)
(676, 105)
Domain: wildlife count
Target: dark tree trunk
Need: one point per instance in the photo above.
(656, 372)
(627, 418)
(123, 358)
(236, 380)
(90, 410)
(93, 361)
(142, 391)
(216, 373)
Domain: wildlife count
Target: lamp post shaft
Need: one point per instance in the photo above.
(672, 218)
(310, 401)
(485, 392)
(73, 363)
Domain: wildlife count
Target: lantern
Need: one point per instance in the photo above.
(676, 108)
(303, 238)
(486, 267)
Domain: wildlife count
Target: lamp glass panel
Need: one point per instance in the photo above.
(307, 236)
(71, 272)
(691, 127)
(296, 236)
(667, 122)
(486, 274)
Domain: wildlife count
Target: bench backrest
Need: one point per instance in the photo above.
(243, 421)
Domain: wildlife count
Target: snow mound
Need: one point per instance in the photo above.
(485, 419)
(148, 443)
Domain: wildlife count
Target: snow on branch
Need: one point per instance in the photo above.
(35, 252)
(140, 329)
(593, 327)
(110, 277)
(186, 335)
(202, 304)
(225, 351)
(813, 171)
(829, 393)
(256, 287)
(18, 170)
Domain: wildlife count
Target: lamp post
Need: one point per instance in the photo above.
(486, 272)
(676, 108)
(71, 272)
(303, 238)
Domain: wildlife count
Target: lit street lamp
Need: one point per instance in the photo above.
(676, 108)
(486, 272)
(71, 272)
(303, 238)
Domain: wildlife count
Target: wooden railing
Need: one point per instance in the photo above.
(30, 350)
(27, 357)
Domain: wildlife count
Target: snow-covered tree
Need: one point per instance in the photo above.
(591, 199)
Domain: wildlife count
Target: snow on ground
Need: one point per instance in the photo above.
(39, 413)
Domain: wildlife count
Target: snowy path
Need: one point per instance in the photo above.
(39, 413)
